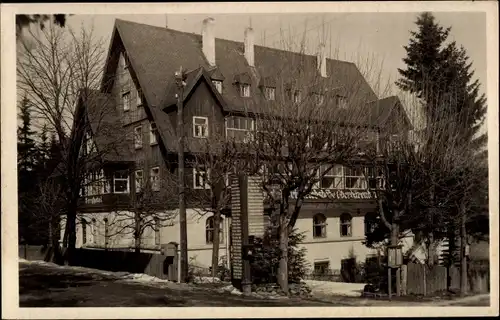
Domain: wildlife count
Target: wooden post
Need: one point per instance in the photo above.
(398, 283)
(425, 280)
(179, 77)
(389, 279)
(404, 280)
(246, 283)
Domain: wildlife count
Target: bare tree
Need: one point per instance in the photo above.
(309, 125)
(59, 71)
(215, 160)
(151, 208)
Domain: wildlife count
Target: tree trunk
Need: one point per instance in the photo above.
(463, 257)
(137, 234)
(395, 242)
(283, 264)
(216, 242)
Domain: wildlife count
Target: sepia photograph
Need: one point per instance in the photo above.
(309, 159)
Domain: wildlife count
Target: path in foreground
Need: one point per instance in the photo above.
(47, 285)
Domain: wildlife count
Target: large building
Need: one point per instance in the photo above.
(225, 81)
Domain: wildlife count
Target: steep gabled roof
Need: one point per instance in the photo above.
(156, 53)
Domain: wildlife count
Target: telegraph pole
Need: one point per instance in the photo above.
(180, 81)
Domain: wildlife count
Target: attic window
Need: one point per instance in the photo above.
(218, 85)
(270, 93)
(139, 98)
(319, 98)
(152, 133)
(297, 97)
(341, 101)
(244, 90)
(126, 100)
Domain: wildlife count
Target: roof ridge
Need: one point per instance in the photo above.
(197, 35)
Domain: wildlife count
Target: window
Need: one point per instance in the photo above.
(89, 144)
(152, 133)
(333, 179)
(84, 231)
(200, 127)
(139, 98)
(209, 230)
(319, 98)
(321, 268)
(138, 180)
(126, 100)
(245, 90)
(95, 183)
(375, 178)
(200, 178)
(370, 222)
(93, 231)
(319, 226)
(120, 182)
(157, 231)
(106, 232)
(240, 128)
(155, 179)
(355, 178)
(218, 85)
(297, 96)
(345, 225)
(138, 137)
(341, 102)
(270, 93)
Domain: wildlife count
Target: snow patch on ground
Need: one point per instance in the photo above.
(141, 277)
(335, 288)
(206, 280)
(231, 290)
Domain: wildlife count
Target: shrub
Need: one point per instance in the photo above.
(223, 273)
(267, 254)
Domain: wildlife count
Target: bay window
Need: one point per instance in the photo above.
(200, 177)
(334, 178)
(354, 178)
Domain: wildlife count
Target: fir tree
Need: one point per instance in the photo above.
(26, 149)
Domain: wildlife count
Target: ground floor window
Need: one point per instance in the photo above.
(321, 268)
(319, 226)
(209, 230)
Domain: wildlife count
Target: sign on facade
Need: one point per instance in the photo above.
(93, 200)
(339, 194)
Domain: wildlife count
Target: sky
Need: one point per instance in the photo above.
(370, 39)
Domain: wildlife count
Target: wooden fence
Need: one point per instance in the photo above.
(422, 280)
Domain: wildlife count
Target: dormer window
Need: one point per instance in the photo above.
(297, 97)
(270, 93)
(244, 90)
(218, 85)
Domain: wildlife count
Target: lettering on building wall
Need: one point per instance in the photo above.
(93, 200)
(339, 195)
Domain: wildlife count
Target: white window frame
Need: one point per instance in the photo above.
(155, 179)
(344, 223)
(138, 137)
(361, 178)
(341, 101)
(245, 90)
(249, 132)
(270, 93)
(218, 85)
(322, 225)
(332, 174)
(139, 180)
(205, 186)
(297, 96)
(139, 98)
(210, 229)
(120, 179)
(203, 126)
(126, 102)
(152, 134)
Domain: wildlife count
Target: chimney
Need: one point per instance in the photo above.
(322, 60)
(208, 38)
(249, 46)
